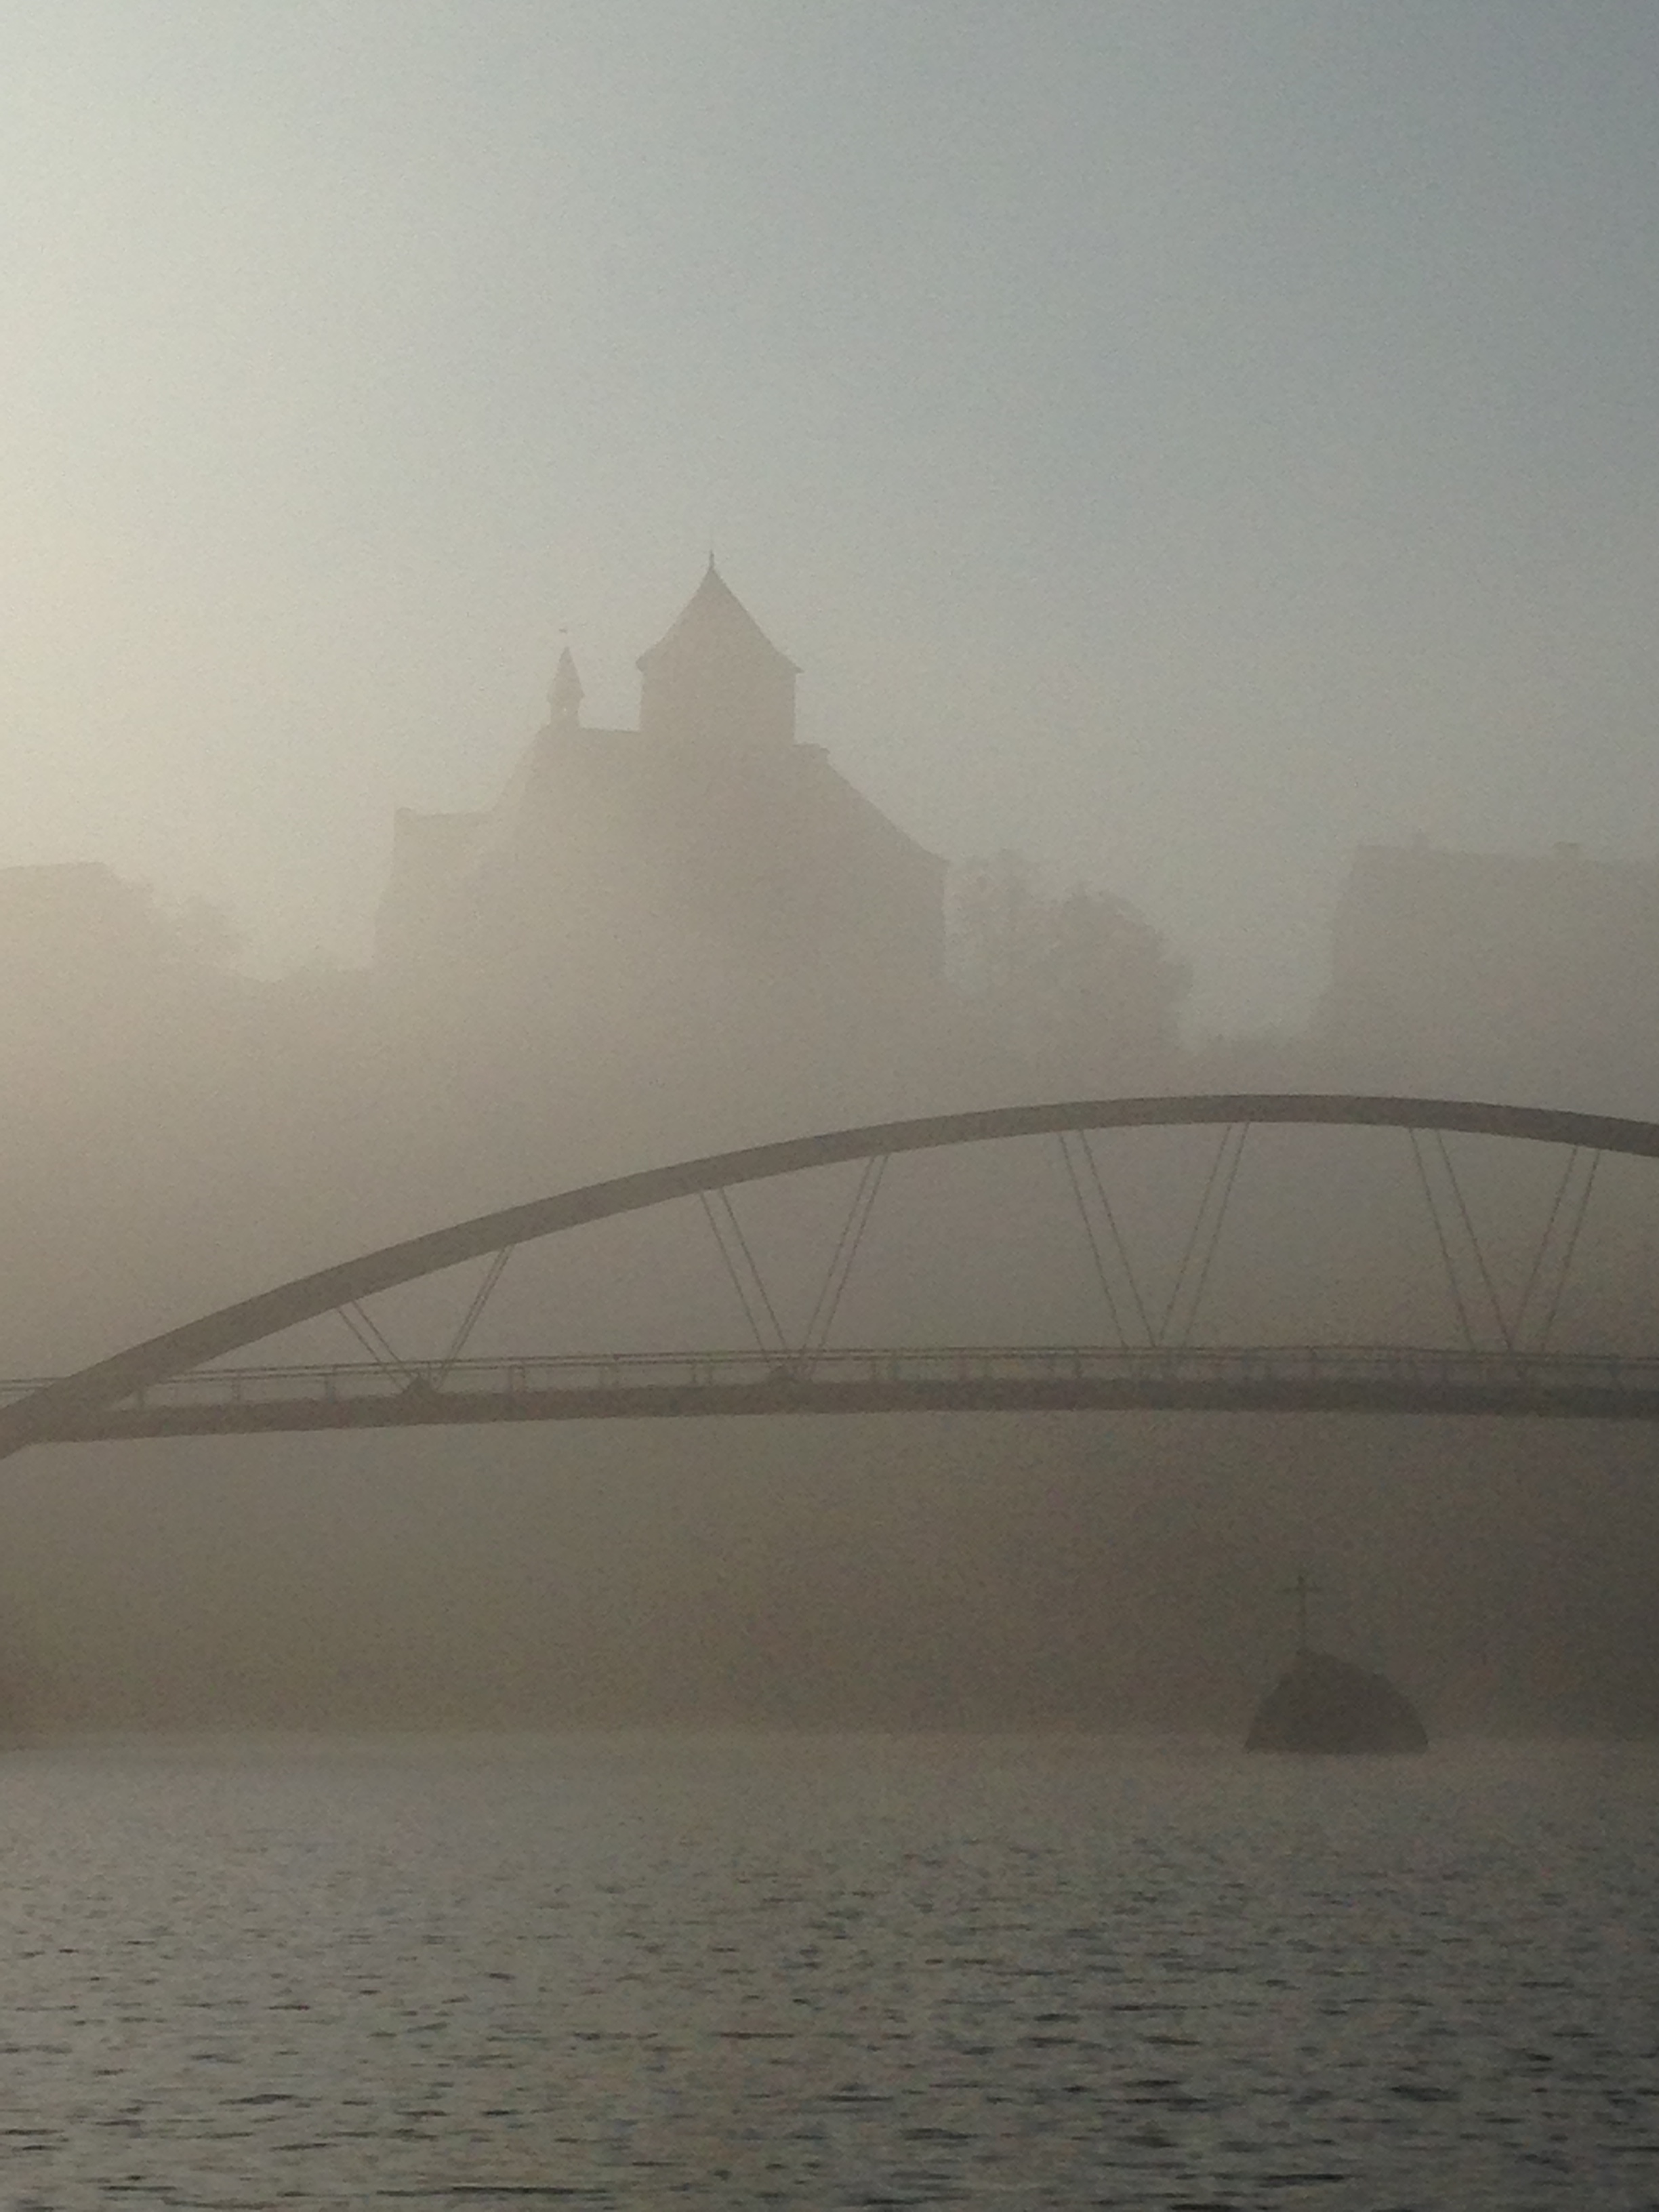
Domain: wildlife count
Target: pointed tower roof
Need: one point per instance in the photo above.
(565, 693)
(714, 623)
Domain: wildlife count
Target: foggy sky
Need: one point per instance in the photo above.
(1183, 440)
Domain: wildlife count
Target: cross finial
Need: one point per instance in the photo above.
(1302, 1590)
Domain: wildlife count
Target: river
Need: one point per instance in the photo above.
(828, 1972)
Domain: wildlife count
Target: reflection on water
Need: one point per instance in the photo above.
(826, 1972)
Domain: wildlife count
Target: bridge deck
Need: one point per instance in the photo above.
(240, 1401)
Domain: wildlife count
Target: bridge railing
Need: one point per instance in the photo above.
(1422, 1367)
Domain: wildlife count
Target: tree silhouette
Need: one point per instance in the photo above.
(1077, 982)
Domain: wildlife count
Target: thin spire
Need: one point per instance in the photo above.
(564, 694)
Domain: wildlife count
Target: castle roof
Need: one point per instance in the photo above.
(713, 622)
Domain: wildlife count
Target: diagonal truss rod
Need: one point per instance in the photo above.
(1536, 1269)
(373, 1340)
(385, 1354)
(822, 1316)
(1553, 1257)
(474, 1313)
(745, 1276)
(1109, 1216)
(1198, 1257)
(1064, 1140)
(1440, 1238)
(1570, 1244)
(1208, 1223)
(743, 1269)
(1452, 1219)
(1467, 1220)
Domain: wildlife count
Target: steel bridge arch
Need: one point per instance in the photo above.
(35, 1418)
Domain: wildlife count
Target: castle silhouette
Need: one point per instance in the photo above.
(706, 850)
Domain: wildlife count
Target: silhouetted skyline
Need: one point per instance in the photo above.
(1183, 443)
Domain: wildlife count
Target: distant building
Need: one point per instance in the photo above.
(68, 927)
(705, 857)
(1523, 975)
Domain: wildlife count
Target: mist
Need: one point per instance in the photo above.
(185, 1133)
(1203, 467)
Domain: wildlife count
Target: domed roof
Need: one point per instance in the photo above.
(1324, 1704)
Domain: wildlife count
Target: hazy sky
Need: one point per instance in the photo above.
(1181, 439)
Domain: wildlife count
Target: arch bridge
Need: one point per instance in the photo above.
(175, 1383)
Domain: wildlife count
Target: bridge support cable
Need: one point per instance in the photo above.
(1539, 1256)
(1065, 1144)
(1552, 1259)
(822, 1317)
(474, 1313)
(1440, 1238)
(1210, 1248)
(746, 1281)
(1205, 1231)
(374, 1341)
(1571, 1247)
(1464, 1215)
(1109, 1216)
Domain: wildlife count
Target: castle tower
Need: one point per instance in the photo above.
(702, 874)
(716, 679)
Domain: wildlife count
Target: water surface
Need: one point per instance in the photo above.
(825, 1973)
